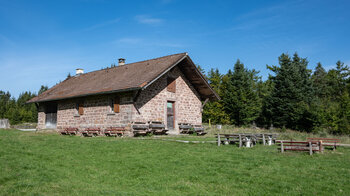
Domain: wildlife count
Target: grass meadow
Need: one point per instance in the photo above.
(49, 164)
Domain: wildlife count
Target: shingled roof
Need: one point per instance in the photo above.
(128, 77)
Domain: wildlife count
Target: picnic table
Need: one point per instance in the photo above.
(199, 130)
(185, 128)
(266, 138)
(245, 138)
(140, 128)
(157, 128)
(70, 131)
(309, 146)
(248, 139)
(326, 142)
(91, 132)
(114, 131)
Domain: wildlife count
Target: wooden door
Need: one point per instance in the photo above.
(51, 116)
(171, 115)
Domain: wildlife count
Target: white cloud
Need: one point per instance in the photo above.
(144, 19)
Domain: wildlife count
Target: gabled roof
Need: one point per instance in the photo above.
(128, 77)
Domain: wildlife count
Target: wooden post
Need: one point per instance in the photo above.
(310, 147)
(282, 149)
(320, 146)
(219, 140)
(240, 140)
(264, 141)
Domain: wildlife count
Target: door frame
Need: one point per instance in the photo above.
(51, 108)
(166, 113)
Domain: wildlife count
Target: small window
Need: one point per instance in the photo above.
(116, 105)
(80, 108)
(171, 85)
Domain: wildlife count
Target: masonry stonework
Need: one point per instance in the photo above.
(41, 117)
(151, 104)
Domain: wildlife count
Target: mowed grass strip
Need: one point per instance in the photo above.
(50, 164)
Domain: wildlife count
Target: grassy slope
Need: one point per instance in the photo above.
(51, 164)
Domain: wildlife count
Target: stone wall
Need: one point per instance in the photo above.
(150, 105)
(97, 112)
(41, 117)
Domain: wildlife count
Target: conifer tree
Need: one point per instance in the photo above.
(292, 94)
(4, 103)
(42, 89)
(215, 110)
(241, 100)
(319, 81)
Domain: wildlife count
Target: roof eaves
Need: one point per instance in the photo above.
(203, 78)
(164, 72)
(89, 94)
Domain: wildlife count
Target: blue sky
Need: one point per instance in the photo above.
(42, 41)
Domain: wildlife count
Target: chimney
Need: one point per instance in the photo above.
(79, 71)
(121, 61)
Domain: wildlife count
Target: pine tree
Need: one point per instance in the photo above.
(215, 80)
(292, 94)
(343, 122)
(214, 111)
(241, 100)
(319, 81)
(264, 92)
(4, 103)
(42, 89)
(27, 112)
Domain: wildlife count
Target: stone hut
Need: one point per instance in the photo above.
(169, 89)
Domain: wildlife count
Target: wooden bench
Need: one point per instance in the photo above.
(227, 138)
(185, 128)
(70, 131)
(157, 128)
(243, 138)
(307, 146)
(114, 131)
(199, 130)
(91, 132)
(326, 142)
(140, 128)
(265, 138)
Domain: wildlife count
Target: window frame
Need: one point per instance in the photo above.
(114, 105)
(79, 108)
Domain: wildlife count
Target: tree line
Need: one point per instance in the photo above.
(293, 97)
(16, 110)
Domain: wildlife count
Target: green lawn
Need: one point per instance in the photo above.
(50, 164)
